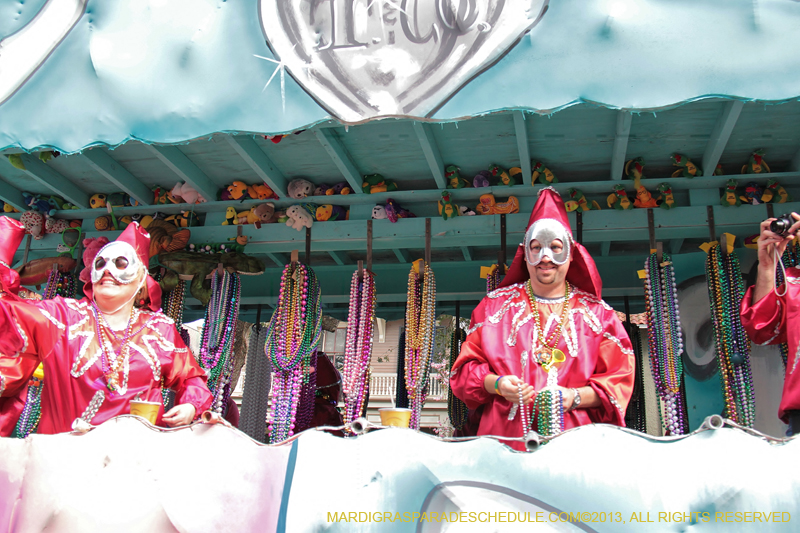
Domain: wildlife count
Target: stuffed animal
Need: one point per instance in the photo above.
(55, 225)
(103, 223)
(482, 179)
(667, 200)
(634, 169)
(120, 199)
(97, 201)
(395, 212)
(379, 212)
(465, 211)
(230, 216)
(515, 173)
(619, 199)
(487, 205)
(756, 165)
(687, 168)
(446, 206)
(644, 199)
(162, 195)
(775, 193)
(8, 208)
(37, 202)
(261, 191)
(237, 190)
(330, 212)
(34, 223)
(299, 188)
(91, 247)
(47, 155)
(544, 174)
(299, 217)
(578, 200)
(730, 197)
(374, 183)
(501, 175)
(184, 219)
(16, 161)
(752, 193)
(187, 194)
(718, 171)
(322, 189)
(59, 204)
(454, 179)
(340, 188)
(143, 220)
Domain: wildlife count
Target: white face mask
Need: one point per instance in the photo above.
(121, 261)
(545, 231)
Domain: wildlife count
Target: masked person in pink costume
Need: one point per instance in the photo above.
(12, 370)
(546, 326)
(102, 351)
(771, 315)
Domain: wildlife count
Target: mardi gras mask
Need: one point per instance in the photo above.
(545, 231)
(121, 261)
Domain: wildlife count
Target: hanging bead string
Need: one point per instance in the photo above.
(790, 259)
(456, 408)
(292, 334)
(60, 284)
(358, 343)
(494, 278)
(726, 289)
(420, 324)
(635, 415)
(219, 327)
(665, 340)
(32, 412)
(173, 303)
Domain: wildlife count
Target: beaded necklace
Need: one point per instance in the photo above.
(174, 303)
(292, 334)
(547, 352)
(112, 366)
(420, 324)
(665, 340)
(60, 284)
(456, 409)
(726, 289)
(358, 343)
(790, 259)
(494, 278)
(219, 328)
(32, 412)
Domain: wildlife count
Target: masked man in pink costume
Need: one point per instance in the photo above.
(102, 351)
(546, 326)
(771, 315)
(12, 370)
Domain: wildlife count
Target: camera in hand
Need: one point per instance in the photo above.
(782, 224)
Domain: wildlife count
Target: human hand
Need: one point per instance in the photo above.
(567, 397)
(768, 242)
(180, 415)
(509, 387)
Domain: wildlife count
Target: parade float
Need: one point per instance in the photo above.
(297, 163)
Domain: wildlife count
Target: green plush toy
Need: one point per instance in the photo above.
(730, 197)
(454, 179)
(447, 208)
(503, 177)
(775, 193)
(687, 168)
(634, 170)
(667, 200)
(756, 165)
(544, 174)
(374, 183)
(619, 199)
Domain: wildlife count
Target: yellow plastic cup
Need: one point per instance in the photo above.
(395, 416)
(147, 410)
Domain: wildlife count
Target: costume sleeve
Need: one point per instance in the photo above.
(186, 378)
(764, 320)
(613, 377)
(472, 366)
(30, 330)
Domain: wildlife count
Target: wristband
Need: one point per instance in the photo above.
(497, 384)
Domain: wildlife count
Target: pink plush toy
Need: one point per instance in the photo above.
(90, 248)
(34, 223)
(188, 193)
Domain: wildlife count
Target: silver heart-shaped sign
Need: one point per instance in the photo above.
(362, 59)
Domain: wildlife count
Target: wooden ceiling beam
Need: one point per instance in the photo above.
(523, 146)
(54, 181)
(467, 251)
(10, 194)
(402, 255)
(260, 163)
(341, 158)
(720, 135)
(185, 169)
(109, 168)
(620, 150)
(340, 258)
(432, 154)
(279, 259)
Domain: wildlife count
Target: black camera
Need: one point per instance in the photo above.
(782, 224)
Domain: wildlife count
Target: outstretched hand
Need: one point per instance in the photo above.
(509, 388)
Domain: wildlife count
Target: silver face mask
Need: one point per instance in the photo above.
(547, 230)
(121, 261)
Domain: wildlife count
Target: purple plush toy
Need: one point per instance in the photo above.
(394, 212)
(481, 179)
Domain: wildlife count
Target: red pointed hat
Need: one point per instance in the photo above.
(582, 271)
(11, 233)
(137, 237)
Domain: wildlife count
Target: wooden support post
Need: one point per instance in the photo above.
(258, 317)
(660, 251)
(458, 318)
(770, 210)
(651, 228)
(427, 241)
(579, 223)
(360, 269)
(712, 231)
(502, 261)
(27, 249)
(369, 245)
(295, 256)
(308, 246)
(627, 311)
